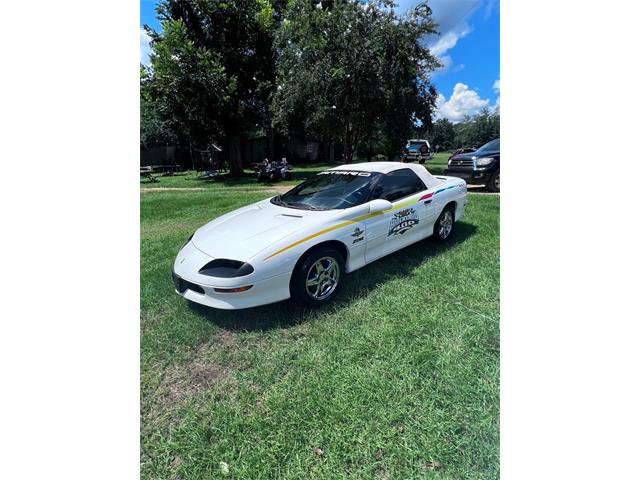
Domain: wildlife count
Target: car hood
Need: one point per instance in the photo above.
(476, 154)
(243, 233)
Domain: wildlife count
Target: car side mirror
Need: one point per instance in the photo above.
(379, 205)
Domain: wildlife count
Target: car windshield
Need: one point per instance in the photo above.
(329, 190)
(416, 144)
(492, 146)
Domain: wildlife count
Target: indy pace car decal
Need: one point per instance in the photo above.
(402, 221)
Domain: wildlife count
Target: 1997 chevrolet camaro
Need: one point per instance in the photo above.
(301, 244)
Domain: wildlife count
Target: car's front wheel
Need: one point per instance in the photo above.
(318, 277)
(494, 182)
(443, 227)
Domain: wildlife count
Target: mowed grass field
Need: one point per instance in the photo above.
(397, 379)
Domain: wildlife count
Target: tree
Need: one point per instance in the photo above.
(346, 69)
(478, 130)
(213, 69)
(153, 129)
(443, 134)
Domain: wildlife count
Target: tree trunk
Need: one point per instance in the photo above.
(235, 156)
(348, 147)
(271, 151)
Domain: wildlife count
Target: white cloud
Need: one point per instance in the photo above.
(490, 7)
(452, 25)
(449, 39)
(446, 62)
(496, 88)
(463, 101)
(145, 48)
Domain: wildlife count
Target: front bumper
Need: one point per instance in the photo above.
(267, 286)
(472, 177)
(270, 290)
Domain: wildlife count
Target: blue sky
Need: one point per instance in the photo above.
(468, 46)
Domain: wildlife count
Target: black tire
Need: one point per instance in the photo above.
(494, 182)
(306, 268)
(440, 232)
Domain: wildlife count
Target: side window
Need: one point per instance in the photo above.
(398, 184)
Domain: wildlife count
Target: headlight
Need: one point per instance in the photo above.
(484, 161)
(225, 268)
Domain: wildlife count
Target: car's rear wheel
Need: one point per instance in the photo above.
(318, 277)
(494, 182)
(443, 227)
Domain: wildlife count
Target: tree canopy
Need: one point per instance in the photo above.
(342, 71)
(346, 68)
(213, 68)
(478, 130)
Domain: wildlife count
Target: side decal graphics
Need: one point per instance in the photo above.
(400, 230)
(403, 221)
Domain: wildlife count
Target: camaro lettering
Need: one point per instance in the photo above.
(345, 172)
(403, 221)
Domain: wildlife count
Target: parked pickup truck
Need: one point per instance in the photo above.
(481, 167)
(417, 149)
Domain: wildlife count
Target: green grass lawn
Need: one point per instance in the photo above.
(300, 172)
(397, 379)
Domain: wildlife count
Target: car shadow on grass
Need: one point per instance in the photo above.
(357, 285)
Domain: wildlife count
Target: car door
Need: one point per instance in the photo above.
(400, 226)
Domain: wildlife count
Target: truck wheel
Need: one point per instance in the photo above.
(318, 277)
(494, 182)
(443, 228)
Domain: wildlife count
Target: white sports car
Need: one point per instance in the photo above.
(302, 243)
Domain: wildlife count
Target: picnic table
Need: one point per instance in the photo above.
(167, 169)
(147, 172)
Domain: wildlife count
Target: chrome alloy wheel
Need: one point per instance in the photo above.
(323, 278)
(496, 182)
(446, 224)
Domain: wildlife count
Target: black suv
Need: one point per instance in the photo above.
(481, 167)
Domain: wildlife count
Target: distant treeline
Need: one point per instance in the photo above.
(473, 131)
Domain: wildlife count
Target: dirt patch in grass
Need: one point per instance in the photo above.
(179, 384)
(169, 189)
(187, 379)
(222, 189)
(282, 188)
